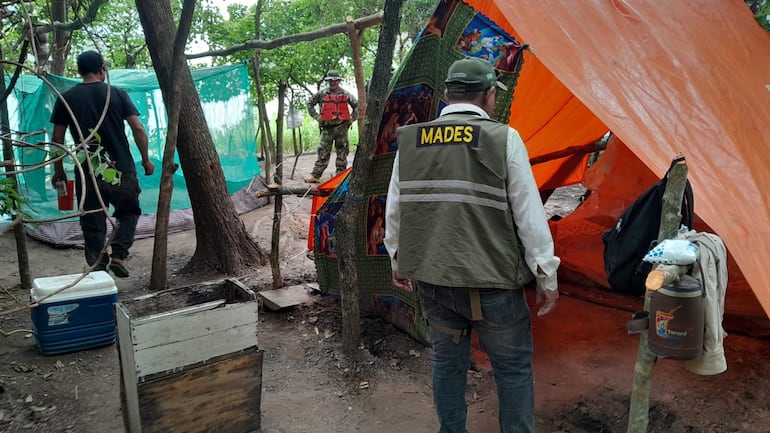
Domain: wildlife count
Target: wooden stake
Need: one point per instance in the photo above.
(671, 217)
(355, 44)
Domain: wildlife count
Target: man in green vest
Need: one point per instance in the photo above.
(466, 229)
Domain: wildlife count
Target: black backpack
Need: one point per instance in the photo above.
(635, 233)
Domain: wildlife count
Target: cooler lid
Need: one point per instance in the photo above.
(97, 283)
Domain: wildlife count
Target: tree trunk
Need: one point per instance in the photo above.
(352, 212)
(222, 242)
(61, 37)
(22, 254)
(159, 274)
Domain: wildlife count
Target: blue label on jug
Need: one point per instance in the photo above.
(60, 314)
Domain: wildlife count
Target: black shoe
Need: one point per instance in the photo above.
(118, 269)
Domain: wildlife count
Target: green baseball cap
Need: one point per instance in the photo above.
(472, 74)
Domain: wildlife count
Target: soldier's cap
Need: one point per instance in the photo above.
(90, 62)
(332, 76)
(472, 74)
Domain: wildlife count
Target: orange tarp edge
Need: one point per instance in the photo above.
(546, 114)
(687, 78)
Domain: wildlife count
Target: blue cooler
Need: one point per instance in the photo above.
(80, 317)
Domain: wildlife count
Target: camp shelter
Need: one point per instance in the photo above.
(227, 105)
(666, 78)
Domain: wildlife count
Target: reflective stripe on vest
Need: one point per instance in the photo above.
(459, 191)
(335, 107)
(457, 227)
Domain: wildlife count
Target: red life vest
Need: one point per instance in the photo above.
(335, 107)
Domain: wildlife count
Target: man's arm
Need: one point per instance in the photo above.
(392, 224)
(311, 105)
(140, 137)
(58, 167)
(531, 222)
(353, 102)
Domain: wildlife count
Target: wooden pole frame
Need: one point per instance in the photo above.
(671, 217)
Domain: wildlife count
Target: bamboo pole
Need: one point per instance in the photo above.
(671, 217)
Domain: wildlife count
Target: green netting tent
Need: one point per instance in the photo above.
(227, 104)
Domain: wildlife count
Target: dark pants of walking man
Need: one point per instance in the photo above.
(125, 199)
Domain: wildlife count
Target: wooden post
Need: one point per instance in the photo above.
(22, 254)
(671, 217)
(355, 45)
(275, 263)
(302, 191)
(264, 122)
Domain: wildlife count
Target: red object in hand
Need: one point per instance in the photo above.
(67, 200)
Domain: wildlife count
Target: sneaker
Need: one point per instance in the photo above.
(312, 179)
(118, 269)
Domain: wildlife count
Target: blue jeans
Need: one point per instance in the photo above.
(504, 332)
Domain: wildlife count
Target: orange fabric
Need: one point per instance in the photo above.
(686, 78)
(318, 201)
(335, 107)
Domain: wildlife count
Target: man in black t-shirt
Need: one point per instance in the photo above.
(87, 101)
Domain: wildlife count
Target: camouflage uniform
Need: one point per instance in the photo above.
(332, 131)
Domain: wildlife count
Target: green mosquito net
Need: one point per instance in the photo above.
(227, 104)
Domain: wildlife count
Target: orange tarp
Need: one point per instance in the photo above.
(685, 77)
(326, 187)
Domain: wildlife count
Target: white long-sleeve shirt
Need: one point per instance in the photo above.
(523, 198)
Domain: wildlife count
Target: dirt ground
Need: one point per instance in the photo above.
(584, 361)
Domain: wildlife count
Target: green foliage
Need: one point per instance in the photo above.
(762, 15)
(414, 15)
(10, 199)
(100, 161)
(117, 33)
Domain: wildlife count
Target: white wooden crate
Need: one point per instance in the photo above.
(168, 340)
